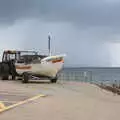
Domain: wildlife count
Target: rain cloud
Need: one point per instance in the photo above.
(82, 29)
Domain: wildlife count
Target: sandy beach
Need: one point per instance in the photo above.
(64, 101)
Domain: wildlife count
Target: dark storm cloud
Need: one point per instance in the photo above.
(81, 12)
(81, 27)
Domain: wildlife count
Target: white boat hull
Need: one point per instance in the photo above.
(45, 68)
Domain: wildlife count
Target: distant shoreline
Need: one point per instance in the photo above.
(70, 67)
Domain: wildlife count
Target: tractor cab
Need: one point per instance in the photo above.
(9, 55)
(21, 56)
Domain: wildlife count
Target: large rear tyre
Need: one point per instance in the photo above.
(25, 78)
(4, 71)
(5, 77)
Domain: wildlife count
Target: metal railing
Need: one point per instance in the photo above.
(90, 76)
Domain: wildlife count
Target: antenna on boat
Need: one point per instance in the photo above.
(49, 45)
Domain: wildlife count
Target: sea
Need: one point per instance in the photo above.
(106, 75)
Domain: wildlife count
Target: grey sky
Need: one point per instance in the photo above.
(81, 28)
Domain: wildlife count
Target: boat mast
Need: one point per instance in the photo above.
(49, 45)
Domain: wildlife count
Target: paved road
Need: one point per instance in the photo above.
(63, 101)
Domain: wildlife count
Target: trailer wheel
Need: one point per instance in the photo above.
(54, 80)
(25, 78)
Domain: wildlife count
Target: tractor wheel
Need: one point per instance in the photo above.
(5, 77)
(5, 71)
(13, 77)
(12, 70)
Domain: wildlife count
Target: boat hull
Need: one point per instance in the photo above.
(46, 68)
